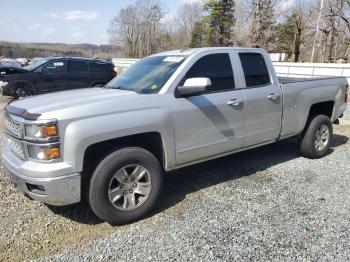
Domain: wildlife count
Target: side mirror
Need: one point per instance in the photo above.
(194, 86)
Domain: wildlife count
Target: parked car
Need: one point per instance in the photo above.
(10, 70)
(55, 74)
(23, 61)
(8, 62)
(170, 110)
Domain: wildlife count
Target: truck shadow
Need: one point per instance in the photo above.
(180, 183)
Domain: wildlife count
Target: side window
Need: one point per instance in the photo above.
(100, 67)
(54, 67)
(255, 69)
(78, 66)
(218, 68)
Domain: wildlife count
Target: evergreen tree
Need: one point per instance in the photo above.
(290, 35)
(197, 39)
(220, 21)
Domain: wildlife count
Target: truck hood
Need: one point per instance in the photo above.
(44, 106)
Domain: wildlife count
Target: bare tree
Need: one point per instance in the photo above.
(124, 29)
(262, 20)
(136, 26)
(188, 15)
(300, 16)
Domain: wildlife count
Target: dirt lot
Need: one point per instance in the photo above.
(267, 203)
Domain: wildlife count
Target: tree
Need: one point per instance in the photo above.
(124, 29)
(149, 15)
(188, 17)
(136, 27)
(197, 39)
(289, 34)
(262, 21)
(220, 21)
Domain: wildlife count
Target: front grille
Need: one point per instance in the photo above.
(13, 128)
(16, 147)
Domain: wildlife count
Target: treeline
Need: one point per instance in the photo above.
(307, 30)
(30, 50)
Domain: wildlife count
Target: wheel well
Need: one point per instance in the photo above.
(323, 108)
(24, 84)
(151, 141)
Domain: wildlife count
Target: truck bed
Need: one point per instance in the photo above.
(288, 80)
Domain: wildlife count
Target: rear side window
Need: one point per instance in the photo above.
(255, 69)
(100, 67)
(218, 68)
(54, 67)
(78, 66)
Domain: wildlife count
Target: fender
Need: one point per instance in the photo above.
(81, 134)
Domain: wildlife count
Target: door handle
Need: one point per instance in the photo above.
(234, 102)
(273, 96)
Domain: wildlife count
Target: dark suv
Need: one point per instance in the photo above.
(56, 74)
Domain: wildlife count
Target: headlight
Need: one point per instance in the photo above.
(43, 152)
(41, 131)
(3, 83)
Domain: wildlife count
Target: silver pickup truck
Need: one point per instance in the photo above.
(112, 145)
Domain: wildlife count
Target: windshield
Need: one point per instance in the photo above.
(36, 63)
(148, 75)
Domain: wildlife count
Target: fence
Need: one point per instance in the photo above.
(122, 64)
(309, 70)
(298, 70)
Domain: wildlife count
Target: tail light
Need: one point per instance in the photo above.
(347, 93)
(114, 73)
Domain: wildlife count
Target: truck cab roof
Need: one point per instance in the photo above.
(190, 51)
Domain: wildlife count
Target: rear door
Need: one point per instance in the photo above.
(209, 124)
(101, 72)
(78, 74)
(263, 99)
(53, 76)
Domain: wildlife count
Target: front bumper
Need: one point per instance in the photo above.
(31, 180)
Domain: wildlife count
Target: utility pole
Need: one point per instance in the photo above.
(316, 34)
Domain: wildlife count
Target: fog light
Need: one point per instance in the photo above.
(36, 189)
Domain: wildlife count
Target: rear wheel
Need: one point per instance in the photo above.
(317, 137)
(125, 185)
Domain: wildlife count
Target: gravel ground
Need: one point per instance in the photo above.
(263, 204)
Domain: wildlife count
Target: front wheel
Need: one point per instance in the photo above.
(125, 185)
(317, 137)
(24, 90)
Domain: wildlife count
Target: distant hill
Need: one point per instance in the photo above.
(30, 50)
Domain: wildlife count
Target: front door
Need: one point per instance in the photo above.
(53, 76)
(211, 123)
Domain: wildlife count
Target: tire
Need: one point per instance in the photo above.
(315, 143)
(110, 195)
(24, 90)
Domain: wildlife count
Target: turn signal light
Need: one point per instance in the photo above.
(49, 130)
(53, 152)
(41, 131)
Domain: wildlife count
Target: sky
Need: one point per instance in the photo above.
(62, 21)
